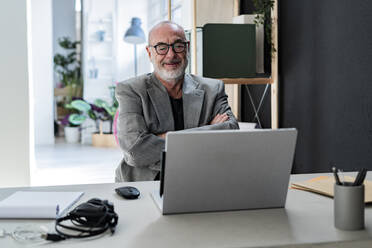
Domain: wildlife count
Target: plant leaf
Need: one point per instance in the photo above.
(76, 119)
(68, 106)
(80, 105)
(101, 103)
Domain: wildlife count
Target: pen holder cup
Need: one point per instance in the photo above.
(349, 207)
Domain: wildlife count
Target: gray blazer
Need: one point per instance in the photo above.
(145, 110)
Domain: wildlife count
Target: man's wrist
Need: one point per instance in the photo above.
(161, 135)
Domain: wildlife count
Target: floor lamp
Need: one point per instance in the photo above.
(135, 35)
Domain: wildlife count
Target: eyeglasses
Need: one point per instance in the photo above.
(163, 48)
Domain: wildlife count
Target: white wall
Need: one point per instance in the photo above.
(14, 95)
(223, 12)
(42, 70)
(63, 24)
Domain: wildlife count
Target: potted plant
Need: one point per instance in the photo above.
(68, 68)
(79, 109)
(103, 111)
(262, 10)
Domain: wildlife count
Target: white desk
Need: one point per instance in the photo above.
(307, 219)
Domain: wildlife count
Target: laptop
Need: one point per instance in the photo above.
(225, 170)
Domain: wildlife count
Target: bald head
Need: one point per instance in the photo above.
(164, 28)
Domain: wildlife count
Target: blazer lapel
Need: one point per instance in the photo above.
(160, 99)
(192, 102)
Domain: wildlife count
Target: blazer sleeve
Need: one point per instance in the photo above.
(221, 106)
(141, 148)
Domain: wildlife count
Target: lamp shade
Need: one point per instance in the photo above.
(135, 34)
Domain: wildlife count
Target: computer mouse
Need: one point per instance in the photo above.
(128, 192)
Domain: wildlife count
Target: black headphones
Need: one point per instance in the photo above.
(89, 219)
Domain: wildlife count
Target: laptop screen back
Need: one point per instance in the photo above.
(227, 170)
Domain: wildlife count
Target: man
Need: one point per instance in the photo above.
(166, 100)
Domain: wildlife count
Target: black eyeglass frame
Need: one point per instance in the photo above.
(186, 43)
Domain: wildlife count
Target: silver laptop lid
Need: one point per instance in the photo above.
(227, 170)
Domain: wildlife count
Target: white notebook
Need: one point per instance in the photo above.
(37, 205)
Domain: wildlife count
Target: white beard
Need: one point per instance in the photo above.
(173, 75)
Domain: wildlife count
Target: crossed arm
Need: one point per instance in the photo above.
(219, 118)
(223, 116)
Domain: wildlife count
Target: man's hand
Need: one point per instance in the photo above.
(161, 135)
(220, 118)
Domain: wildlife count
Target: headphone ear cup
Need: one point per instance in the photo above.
(95, 201)
(95, 207)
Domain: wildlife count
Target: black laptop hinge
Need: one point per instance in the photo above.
(162, 171)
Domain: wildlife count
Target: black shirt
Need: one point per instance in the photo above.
(177, 109)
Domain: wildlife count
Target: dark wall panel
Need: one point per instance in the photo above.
(325, 49)
(264, 113)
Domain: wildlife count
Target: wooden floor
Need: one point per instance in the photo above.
(62, 164)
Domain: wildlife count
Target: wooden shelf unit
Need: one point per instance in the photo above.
(243, 81)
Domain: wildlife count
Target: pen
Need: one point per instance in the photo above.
(342, 176)
(357, 179)
(363, 177)
(360, 177)
(336, 175)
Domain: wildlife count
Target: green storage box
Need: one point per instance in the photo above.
(229, 50)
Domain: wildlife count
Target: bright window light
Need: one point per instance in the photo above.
(77, 5)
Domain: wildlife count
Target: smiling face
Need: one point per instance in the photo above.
(171, 66)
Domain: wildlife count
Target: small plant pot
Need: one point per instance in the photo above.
(104, 140)
(72, 135)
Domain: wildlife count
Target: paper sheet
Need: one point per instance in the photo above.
(36, 204)
(325, 184)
